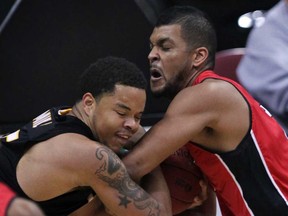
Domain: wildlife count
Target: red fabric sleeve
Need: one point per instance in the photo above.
(6, 196)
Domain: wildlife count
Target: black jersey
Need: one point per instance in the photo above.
(49, 124)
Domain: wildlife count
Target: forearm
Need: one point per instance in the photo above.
(92, 208)
(143, 158)
(154, 183)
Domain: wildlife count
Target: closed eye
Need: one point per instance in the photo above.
(165, 48)
(138, 118)
(120, 113)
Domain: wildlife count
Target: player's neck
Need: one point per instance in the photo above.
(192, 78)
(78, 112)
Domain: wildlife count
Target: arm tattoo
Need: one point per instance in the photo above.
(114, 173)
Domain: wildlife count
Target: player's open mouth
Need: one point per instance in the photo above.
(155, 74)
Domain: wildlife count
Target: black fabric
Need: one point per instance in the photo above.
(257, 187)
(48, 125)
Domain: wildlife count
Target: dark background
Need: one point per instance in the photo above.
(46, 45)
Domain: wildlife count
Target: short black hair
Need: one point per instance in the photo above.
(196, 28)
(102, 76)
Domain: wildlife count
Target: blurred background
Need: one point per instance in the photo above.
(46, 45)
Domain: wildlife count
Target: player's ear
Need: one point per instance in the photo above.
(200, 55)
(88, 102)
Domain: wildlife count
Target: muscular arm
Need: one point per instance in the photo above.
(153, 183)
(117, 191)
(209, 106)
(178, 126)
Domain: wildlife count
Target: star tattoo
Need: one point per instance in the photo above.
(124, 201)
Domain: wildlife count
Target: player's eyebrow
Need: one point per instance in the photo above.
(161, 41)
(123, 106)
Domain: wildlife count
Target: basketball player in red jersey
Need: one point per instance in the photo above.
(234, 140)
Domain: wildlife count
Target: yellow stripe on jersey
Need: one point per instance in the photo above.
(13, 136)
(64, 111)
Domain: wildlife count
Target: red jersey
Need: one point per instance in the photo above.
(6, 196)
(253, 178)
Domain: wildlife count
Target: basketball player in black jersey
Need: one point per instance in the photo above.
(66, 156)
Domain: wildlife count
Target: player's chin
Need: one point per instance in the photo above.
(115, 149)
(118, 144)
(157, 81)
(157, 90)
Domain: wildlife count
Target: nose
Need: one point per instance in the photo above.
(153, 55)
(131, 124)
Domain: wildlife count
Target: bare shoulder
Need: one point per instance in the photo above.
(208, 95)
(91, 161)
(212, 106)
(66, 148)
(80, 154)
(56, 165)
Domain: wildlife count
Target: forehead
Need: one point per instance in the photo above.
(127, 96)
(166, 32)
